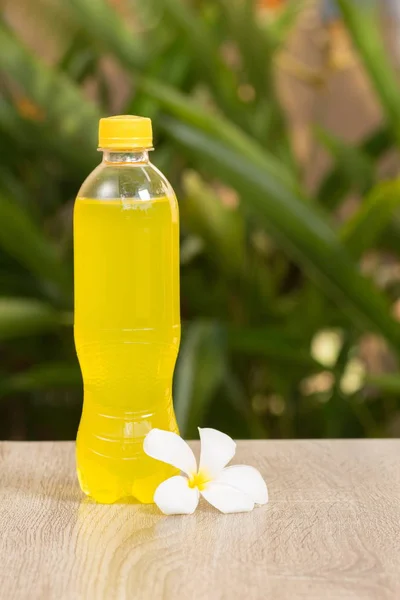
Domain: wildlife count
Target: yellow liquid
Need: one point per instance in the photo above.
(127, 333)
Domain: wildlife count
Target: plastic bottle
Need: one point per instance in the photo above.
(127, 323)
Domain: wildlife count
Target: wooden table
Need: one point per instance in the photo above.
(330, 531)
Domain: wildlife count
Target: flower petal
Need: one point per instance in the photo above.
(226, 498)
(171, 449)
(174, 496)
(247, 480)
(217, 449)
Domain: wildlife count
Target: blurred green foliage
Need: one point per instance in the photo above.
(275, 307)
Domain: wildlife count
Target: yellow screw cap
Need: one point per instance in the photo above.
(125, 132)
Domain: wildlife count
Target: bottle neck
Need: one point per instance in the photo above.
(125, 157)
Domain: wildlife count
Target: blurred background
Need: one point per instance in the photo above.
(278, 124)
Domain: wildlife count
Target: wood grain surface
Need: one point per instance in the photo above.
(330, 531)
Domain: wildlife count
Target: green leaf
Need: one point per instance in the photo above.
(20, 317)
(363, 230)
(173, 68)
(363, 27)
(279, 27)
(222, 228)
(239, 401)
(67, 122)
(42, 377)
(79, 59)
(11, 124)
(223, 231)
(203, 45)
(24, 241)
(354, 169)
(253, 44)
(216, 125)
(266, 118)
(300, 228)
(340, 179)
(388, 383)
(107, 29)
(272, 343)
(198, 374)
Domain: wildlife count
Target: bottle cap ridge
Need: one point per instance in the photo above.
(125, 132)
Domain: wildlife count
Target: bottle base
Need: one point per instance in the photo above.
(111, 462)
(107, 488)
(106, 497)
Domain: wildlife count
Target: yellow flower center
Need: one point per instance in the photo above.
(199, 480)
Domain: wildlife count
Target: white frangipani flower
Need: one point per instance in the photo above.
(230, 489)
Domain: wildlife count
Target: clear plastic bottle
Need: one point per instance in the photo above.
(127, 323)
